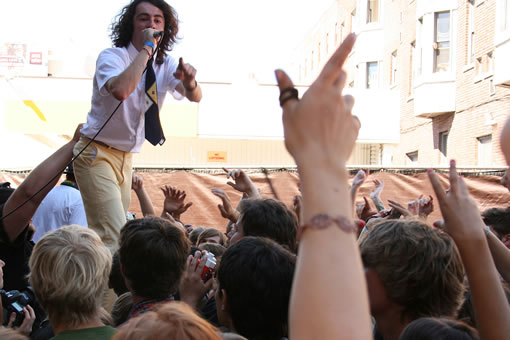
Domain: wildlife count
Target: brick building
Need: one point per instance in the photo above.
(445, 61)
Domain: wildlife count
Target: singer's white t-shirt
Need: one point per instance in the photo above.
(126, 130)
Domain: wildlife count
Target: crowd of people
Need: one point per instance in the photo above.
(333, 265)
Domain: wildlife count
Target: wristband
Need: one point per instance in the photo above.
(149, 43)
(487, 231)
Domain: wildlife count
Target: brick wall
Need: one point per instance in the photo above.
(478, 112)
(480, 109)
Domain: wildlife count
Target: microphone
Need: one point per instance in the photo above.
(157, 34)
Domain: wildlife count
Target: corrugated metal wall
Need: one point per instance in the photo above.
(193, 152)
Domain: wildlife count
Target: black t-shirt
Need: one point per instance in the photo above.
(15, 255)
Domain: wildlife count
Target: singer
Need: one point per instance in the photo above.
(103, 171)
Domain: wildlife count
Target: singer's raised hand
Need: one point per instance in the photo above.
(189, 86)
(149, 34)
(186, 73)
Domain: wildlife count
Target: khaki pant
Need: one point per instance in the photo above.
(103, 175)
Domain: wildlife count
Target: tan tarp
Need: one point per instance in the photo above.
(397, 186)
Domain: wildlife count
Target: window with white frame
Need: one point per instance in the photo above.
(393, 75)
(372, 74)
(442, 41)
(372, 11)
(485, 150)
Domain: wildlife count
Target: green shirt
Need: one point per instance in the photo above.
(95, 333)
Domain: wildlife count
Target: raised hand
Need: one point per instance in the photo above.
(174, 201)
(459, 209)
(136, 182)
(364, 210)
(463, 222)
(226, 209)
(413, 207)
(192, 288)
(320, 132)
(320, 128)
(378, 185)
(425, 206)
(242, 182)
(359, 178)
(186, 73)
(375, 195)
(400, 208)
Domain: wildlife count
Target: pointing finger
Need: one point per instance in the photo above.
(333, 67)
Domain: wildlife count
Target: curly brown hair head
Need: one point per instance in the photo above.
(122, 27)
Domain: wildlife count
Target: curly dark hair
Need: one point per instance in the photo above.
(122, 27)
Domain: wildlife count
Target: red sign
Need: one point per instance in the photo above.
(36, 58)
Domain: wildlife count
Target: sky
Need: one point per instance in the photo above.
(223, 39)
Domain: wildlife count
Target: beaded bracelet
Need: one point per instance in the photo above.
(323, 221)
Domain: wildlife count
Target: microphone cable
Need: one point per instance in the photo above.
(156, 34)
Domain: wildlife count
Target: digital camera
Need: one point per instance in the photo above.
(14, 301)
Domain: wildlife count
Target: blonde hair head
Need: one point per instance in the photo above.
(69, 270)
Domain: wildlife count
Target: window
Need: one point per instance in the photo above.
(412, 158)
(372, 75)
(393, 75)
(443, 146)
(478, 66)
(504, 15)
(342, 30)
(442, 42)
(492, 87)
(372, 11)
(490, 63)
(471, 32)
(485, 150)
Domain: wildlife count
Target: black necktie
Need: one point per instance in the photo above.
(153, 131)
